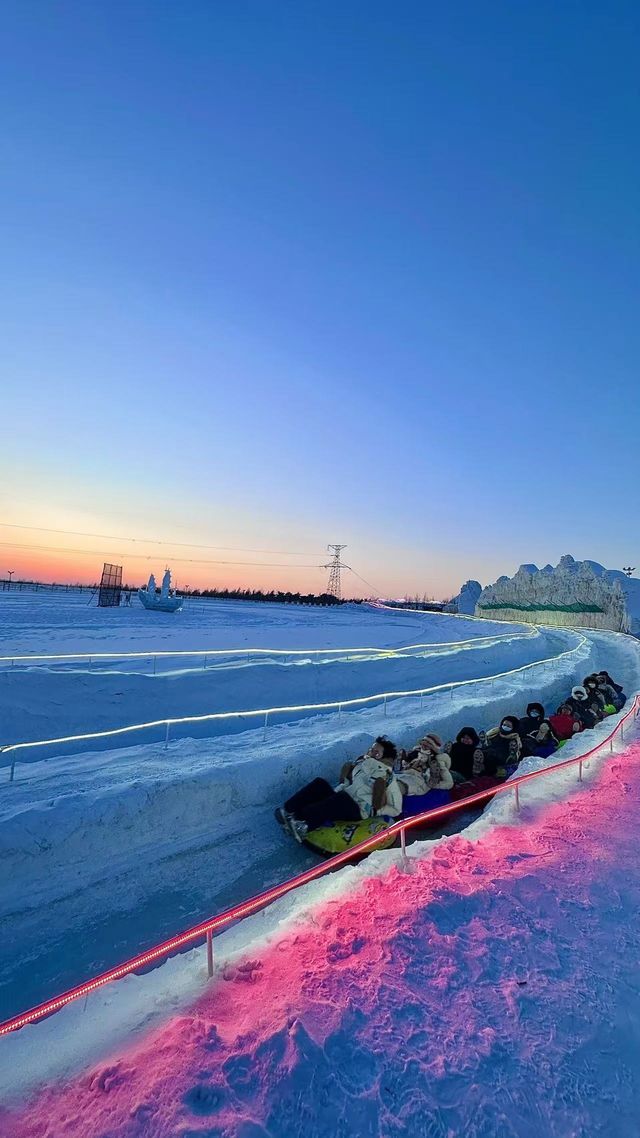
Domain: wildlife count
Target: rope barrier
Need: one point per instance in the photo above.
(205, 930)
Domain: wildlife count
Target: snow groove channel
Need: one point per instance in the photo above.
(166, 728)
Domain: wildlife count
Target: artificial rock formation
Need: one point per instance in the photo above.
(573, 593)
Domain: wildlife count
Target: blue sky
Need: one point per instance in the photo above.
(281, 274)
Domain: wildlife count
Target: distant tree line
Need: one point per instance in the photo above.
(278, 596)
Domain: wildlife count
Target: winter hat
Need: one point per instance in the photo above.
(579, 692)
(535, 707)
(471, 732)
(512, 719)
(431, 743)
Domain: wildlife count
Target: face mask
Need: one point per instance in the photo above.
(534, 714)
(505, 728)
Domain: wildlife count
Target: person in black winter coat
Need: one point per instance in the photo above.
(579, 703)
(611, 690)
(536, 732)
(461, 752)
(503, 748)
(595, 698)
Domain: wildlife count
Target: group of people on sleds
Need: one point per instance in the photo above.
(389, 782)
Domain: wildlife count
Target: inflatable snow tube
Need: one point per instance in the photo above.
(330, 840)
(414, 804)
(474, 786)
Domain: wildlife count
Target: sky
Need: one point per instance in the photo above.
(276, 275)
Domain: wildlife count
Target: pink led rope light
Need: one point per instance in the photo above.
(253, 904)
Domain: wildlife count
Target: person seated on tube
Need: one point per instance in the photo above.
(367, 788)
(461, 753)
(536, 733)
(595, 698)
(426, 781)
(612, 691)
(579, 703)
(565, 723)
(500, 751)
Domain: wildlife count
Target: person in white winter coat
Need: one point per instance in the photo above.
(368, 788)
(440, 772)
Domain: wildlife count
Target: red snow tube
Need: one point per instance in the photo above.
(465, 789)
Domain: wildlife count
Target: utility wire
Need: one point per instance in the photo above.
(367, 583)
(155, 541)
(149, 557)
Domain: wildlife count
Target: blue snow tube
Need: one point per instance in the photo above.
(414, 804)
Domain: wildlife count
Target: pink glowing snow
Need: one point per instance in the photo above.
(493, 991)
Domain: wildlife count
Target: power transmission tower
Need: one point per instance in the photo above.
(628, 569)
(334, 566)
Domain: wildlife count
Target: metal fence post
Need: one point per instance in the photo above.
(385, 705)
(403, 847)
(209, 954)
(205, 662)
(517, 789)
(12, 771)
(622, 730)
(266, 721)
(154, 665)
(580, 771)
(166, 737)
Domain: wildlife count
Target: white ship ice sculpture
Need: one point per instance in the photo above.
(165, 600)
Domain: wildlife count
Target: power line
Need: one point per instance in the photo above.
(155, 541)
(149, 557)
(367, 583)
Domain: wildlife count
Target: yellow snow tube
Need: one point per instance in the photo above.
(328, 840)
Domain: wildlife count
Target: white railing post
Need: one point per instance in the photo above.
(403, 846)
(517, 789)
(580, 771)
(622, 730)
(209, 954)
(266, 721)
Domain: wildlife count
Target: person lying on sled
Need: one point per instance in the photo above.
(367, 788)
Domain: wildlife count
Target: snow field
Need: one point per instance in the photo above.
(37, 623)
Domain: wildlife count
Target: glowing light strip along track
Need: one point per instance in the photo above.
(473, 640)
(253, 904)
(266, 711)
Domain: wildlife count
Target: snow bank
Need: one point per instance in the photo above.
(519, 1019)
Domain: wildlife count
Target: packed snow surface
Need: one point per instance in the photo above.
(115, 849)
(493, 991)
(46, 623)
